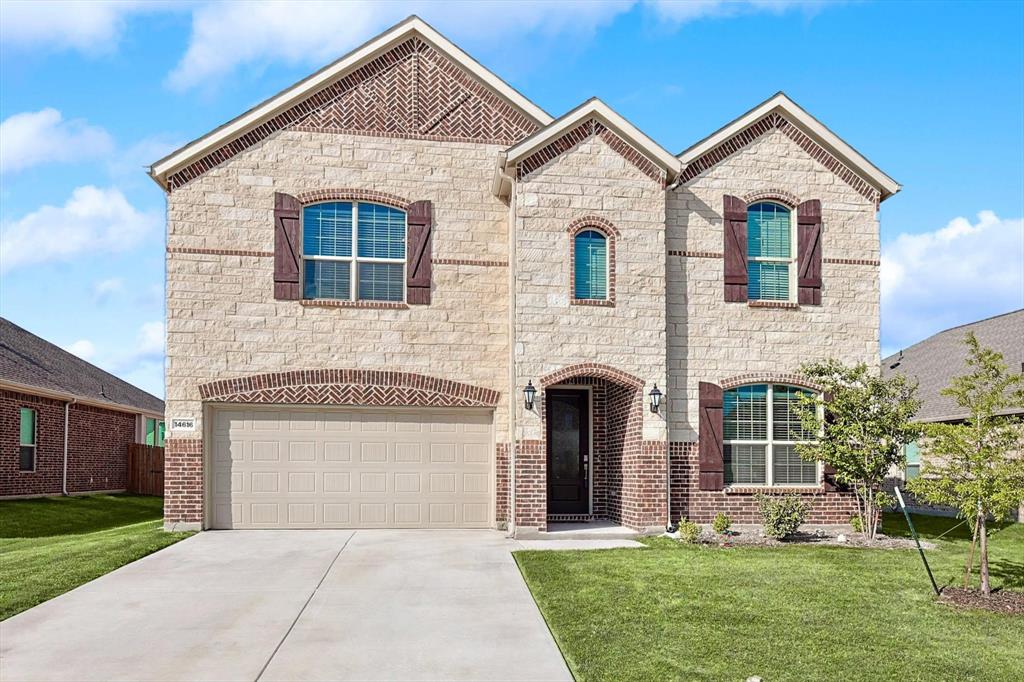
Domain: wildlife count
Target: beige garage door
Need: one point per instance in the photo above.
(291, 467)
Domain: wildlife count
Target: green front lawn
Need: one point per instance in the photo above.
(794, 613)
(53, 544)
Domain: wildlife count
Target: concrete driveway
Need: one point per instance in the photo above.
(295, 605)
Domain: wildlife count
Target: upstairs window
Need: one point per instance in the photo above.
(770, 270)
(590, 250)
(761, 432)
(353, 251)
(27, 440)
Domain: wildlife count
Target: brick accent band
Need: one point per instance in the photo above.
(337, 303)
(349, 387)
(768, 378)
(786, 305)
(469, 261)
(695, 254)
(591, 369)
(852, 261)
(716, 254)
(351, 194)
(220, 252)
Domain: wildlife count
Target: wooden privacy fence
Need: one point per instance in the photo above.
(145, 469)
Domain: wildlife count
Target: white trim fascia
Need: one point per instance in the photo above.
(595, 108)
(337, 70)
(812, 127)
(61, 395)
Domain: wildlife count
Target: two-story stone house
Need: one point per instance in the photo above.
(400, 294)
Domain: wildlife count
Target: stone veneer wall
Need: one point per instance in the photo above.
(711, 340)
(223, 321)
(591, 179)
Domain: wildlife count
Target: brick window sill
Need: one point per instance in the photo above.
(593, 302)
(372, 305)
(775, 490)
(786, 305)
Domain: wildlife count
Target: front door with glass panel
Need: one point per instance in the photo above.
(568, 426)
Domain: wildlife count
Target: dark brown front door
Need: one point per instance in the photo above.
(568, 425)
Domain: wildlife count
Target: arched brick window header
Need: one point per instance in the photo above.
(348, 387)
(344, 194)
(778, 195)
(769, 378)
(593, 222)
(591, 369)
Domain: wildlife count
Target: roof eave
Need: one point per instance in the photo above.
(81, 400)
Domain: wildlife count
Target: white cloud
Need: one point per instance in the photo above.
(150, 340)
(229, 35)
(35, 137)
(128, 166)
(83, 348)
(957, 274)
(682, 11)
(92, 27)
(106, 288)
(93, 220)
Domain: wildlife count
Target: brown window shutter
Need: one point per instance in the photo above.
(419, 238)
(709, 446)
(286, 247)
(734, 220)
(808, 217)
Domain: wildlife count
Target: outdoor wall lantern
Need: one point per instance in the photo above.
(655, 395)
(529, 392)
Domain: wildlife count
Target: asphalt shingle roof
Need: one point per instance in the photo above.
(939, 358)
(32, 361)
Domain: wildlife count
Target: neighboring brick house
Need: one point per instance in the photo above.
(369, 273)
(934, 362)
(65, 425)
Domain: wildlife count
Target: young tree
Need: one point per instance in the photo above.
(864, 421)
(977, 466)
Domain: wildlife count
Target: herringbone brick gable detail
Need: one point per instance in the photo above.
(580, 134)
(410, 91)
(774, 121)
(348, 387)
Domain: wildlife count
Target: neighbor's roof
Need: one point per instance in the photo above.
(939, 358)
(336, 71)
(29, 362)
(811, 127)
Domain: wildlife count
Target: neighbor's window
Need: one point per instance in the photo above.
(154, 432)
(353, 251)
(769, 252)
(591, 267)
(27, 440)
(761, 431)
(912, 453)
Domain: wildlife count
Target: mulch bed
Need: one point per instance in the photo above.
(1000, 601)
(752, 536)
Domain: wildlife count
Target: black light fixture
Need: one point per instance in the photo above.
(655, 395)
(529, 392)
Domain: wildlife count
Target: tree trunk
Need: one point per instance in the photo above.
(970, 559)
(983, 537)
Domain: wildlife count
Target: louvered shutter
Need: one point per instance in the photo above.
(711, 456)
(734, 219)
(420, 239)
(286, 247)
(808, 216)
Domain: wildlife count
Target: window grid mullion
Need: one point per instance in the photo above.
(769, 474)
(353, 271)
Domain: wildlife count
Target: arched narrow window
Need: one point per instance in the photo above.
(353, 251)
(761, 432)
(770, 252)
(590, 249)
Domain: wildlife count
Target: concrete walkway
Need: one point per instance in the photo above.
(295, 605)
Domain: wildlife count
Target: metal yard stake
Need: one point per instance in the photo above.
(920, 549)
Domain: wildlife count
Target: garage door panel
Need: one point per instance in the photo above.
(345, 468)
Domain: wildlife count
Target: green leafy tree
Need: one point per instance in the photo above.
(863, 422)
(976, 466)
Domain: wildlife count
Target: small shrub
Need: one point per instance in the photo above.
(722, 523)
(689, 532)
(781, 516)
(858, 525)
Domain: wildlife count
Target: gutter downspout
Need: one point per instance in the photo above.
(64, 475)
(513, 403)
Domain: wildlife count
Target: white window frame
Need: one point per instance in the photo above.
(354, 259)
(607, 263)
(35, 440)
(789, 262)
(770, 442)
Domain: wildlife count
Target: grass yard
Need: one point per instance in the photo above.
(53, 544)
(803, 612)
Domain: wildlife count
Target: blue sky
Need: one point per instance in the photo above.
(91, 93)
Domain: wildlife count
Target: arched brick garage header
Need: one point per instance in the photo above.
(348, 387)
